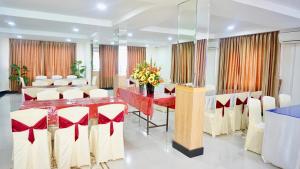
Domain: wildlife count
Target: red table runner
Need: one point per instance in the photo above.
(54, 105)
(144, 103)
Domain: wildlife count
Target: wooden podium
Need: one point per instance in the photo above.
(189, 112)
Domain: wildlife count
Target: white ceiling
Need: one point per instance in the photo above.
(150, 21)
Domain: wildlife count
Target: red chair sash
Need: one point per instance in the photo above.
(169, 91)
(19, 127)
(28, 97)
(85, 95)
(243, 103)
(131, 82)
(65, 123)
(219, 105)
(104, 120)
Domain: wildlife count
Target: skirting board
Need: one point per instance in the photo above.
(2, 93)
(187, 152)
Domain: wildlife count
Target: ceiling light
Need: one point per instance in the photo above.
(230, 27)
(170, 38)
(75, 29)
(19, 36)
(101, 6)
(68, 40)
(11, 23)
(130, 34)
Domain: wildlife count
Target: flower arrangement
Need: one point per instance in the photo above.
(146, 73)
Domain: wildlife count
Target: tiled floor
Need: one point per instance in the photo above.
(153, 151)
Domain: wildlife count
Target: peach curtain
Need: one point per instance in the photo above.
(249, 63)
(200, 62)
(182, 62)
(108, 57)
(135, 56)
(26, 53)
(58, 57)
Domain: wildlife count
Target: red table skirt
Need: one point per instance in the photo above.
(53, 105)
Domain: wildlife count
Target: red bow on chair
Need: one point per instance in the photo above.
(18, 127)
(65, 123)
(220, 105)
(27, 97)
(169, 91)
(104, 120)
(240, 102)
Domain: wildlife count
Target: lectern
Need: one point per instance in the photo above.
(189, 112)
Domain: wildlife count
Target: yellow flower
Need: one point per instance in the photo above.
(151, 79)
(143, 78)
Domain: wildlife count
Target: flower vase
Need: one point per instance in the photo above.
(150, 89)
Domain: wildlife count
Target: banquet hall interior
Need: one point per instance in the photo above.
(144, 84)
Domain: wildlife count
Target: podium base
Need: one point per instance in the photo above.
(187, 152)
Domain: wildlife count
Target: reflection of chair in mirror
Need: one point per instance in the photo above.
(284, 100)
(61, 82)
(56, 77)
(71, 77)
(98, 93)
(94, 81)
(48, 95)
(72, 94)
(40, 77)
(79, 82)
(40, 83)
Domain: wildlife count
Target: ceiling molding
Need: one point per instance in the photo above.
(164, 30)
(54, 17)
(241, 33)
(273, 7)
(42, 33)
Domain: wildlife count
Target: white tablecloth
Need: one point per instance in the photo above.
(281, 143)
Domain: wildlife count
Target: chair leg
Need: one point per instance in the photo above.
(167, 121)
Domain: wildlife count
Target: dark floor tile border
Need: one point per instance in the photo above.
(2, 93)
(187, 152)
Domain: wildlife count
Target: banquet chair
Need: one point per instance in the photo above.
(106, 138)
(72, 94)
(40, 83)
(98, 93)
(222, 119)
(22, 82)
(71, 143)
(31, 140)
(255, 130)
(56, 77)
(256, 95)
(61, 82)
(79, 82)
(94, 81)
(169, 88)
(241, 111)
(284, 100)
(40, 77)
(71, 77)
(268, 103)
(47, 95)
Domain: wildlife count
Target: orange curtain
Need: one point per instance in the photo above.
(26, 53)
(58, 57)
(182, 62)
(249, 63)
(200, 62)
(108, 55)
(135, 56)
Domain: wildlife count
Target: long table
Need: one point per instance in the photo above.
(144, 103)
(281, 143)
(53, 105)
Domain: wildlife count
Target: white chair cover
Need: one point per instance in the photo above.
(220, 122)
(255, 131)
(68, 152)
(268, 103)
(284, 100)
(97, 93)
(40, 83)
(256, 95)
(48, 95)
(94, 81)
(72, 94)
(61, 82)
(40, 77)
(241, 111)
(79, 82)
(22, 82)
(56, 77)
(30, 153)
(105, 144)
(71, 77)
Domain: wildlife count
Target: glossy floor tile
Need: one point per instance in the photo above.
(152, 151)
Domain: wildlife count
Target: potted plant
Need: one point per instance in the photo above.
(18, 72)
(77, 69)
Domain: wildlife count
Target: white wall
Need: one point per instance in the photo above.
(161, 56)
(212, 63)
(83, 53)
(4, 64)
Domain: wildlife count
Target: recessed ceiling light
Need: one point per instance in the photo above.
(101, 6)
(130, 34)
(170, 38)
(11, 23)
(19, 36)
(230, 27)
(68, 40)
(112, 43)
(75, 29)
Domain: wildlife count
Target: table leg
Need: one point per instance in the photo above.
(167, 121)
(147, 125)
